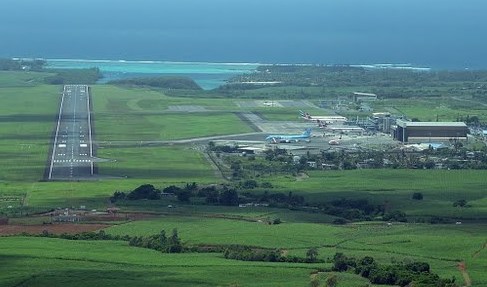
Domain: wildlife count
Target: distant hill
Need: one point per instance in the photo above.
(177, 83)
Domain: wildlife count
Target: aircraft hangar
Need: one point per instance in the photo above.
(429, 131)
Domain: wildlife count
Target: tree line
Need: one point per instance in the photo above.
(401, 274)
(177, 83)
(159, 242)
(249, 253)
(73, 76)
(224, 196)
(348, 76)
(345, 209)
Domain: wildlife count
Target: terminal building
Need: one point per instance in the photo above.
(405, 131)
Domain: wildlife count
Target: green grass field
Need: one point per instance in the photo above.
(62, 261)
(399, 242)
(152, 163)
(56, 262)
(27, 118)
(433, 109)
(132, 129)
(143, 115)
(22, 79)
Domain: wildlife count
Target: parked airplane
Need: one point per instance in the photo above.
(290, 138)
(333, 142)
(325, 119)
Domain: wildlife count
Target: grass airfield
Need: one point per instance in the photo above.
(127, 119)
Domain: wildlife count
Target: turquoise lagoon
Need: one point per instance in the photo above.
(207, 75)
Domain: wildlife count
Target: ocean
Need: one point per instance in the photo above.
(442, 34)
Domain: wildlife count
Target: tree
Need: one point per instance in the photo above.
(340, 262)
(175, 245)
(145, 191)
(460, 203)
(162, 238)
(312, 254)
(236, 168)
(183, 195)
(331, 281)
(171, 189)
(417, 196)
(249, 184)
(315, 282)
(212, 196)
(191, 187)
(229, 197)
(418, 267)
(211, 145)
(365, 266)
(118, 195)
(395, 215)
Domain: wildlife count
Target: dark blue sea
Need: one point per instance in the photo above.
(429, 33)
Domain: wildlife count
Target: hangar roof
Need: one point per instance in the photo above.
(431, 124)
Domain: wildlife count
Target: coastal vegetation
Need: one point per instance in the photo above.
(178, 83)
(73, 76)
(51, 76)
(22, 64)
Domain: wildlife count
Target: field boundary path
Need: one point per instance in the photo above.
(466, 278)
(72, 151)
(477, 253)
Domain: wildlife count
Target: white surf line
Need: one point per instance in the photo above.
(57, 133)
(90, 142)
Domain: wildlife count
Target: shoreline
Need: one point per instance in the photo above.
(244, 64)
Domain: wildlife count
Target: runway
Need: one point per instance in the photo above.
(72, 152)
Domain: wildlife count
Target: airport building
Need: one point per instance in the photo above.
(405, 131)
(363, 97)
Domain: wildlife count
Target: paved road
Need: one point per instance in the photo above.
(72, 151)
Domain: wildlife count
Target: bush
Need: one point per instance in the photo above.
(277, 221)
(460, 203)
(340, 221)
(396, 215)
(117, 195)
(417, 196)
(266, 185)
(249, 184)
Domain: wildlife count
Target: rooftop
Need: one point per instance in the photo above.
(365, 94)
(431, 124)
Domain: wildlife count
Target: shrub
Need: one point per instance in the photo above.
(417, 196)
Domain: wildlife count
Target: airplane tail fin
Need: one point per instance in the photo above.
(304, 115)
(307, 132)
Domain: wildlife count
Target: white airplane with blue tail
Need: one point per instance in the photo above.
(290, 138)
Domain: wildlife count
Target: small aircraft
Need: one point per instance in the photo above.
(325, 119)
(289, 138)
(333, 142)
